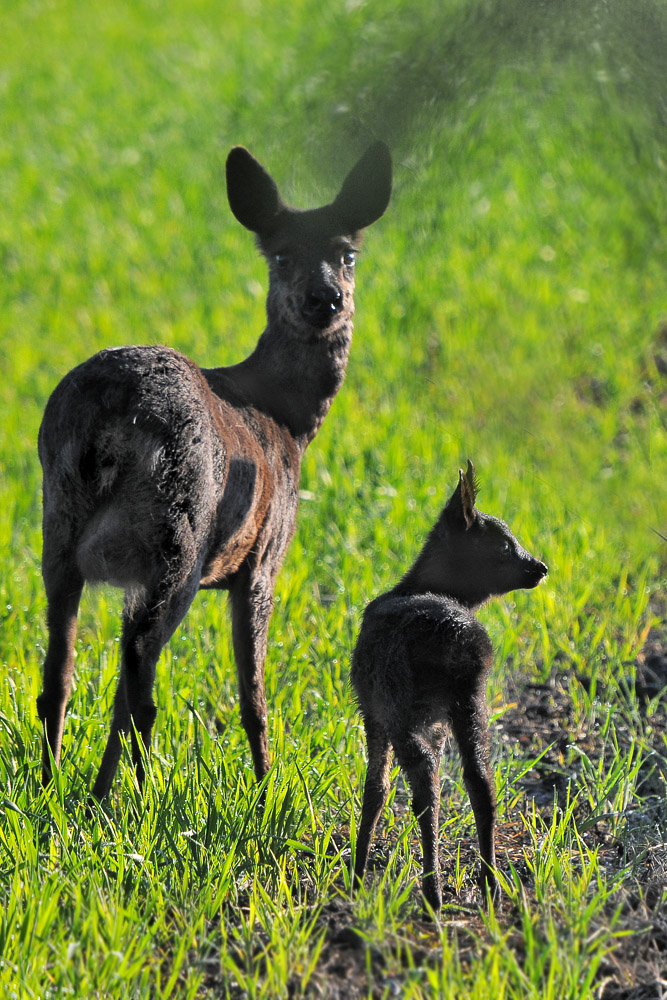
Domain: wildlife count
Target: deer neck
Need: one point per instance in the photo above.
(434, 572)
(292, 376)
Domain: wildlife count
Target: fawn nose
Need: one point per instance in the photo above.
(537, 571)
(322, 303)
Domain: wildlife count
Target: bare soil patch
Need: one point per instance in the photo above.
(539, 719)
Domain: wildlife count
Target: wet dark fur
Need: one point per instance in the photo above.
(163, 478)
(420, 665)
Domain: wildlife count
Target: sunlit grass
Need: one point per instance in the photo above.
(508, 309)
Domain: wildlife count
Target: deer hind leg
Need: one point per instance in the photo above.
(147, 626)
(421, 763)
(470, 727)
(252, 606)
(63, 583)
(376, 789)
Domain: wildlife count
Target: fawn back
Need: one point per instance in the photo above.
(420, 664)
(163, 478)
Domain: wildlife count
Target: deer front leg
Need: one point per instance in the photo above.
(252, 605)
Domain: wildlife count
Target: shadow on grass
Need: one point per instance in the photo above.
(399, 73)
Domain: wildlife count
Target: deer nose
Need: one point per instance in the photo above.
(321, 304)
(534, 571)
(538, 569)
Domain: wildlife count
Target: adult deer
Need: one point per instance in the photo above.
(163, 478)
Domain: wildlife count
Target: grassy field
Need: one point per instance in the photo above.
(511, 307)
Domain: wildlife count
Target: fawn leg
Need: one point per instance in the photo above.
(252, 605)
(376, 789)
(147, 626)
(421, 764)
(470, 727)
(63, 584)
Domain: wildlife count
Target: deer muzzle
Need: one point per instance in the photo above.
(323, 301)
(535, 572)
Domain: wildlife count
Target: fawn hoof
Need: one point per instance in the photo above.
(489, 888)
(357, 882)
(432, 898)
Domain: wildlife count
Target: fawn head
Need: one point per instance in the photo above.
(311, 254)
(483, 556)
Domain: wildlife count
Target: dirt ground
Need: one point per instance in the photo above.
(540, 716)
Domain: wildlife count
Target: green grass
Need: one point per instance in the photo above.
(511, 307)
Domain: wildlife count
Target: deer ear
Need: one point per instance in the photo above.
(460, 508)
(366, 190)
(253, 195)
(472, 481)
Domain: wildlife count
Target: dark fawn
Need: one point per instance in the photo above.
(163, 478)
(420, 665)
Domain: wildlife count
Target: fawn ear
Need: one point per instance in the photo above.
(460, 508)
(366, 190)
(253, 195)
(472, 481)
